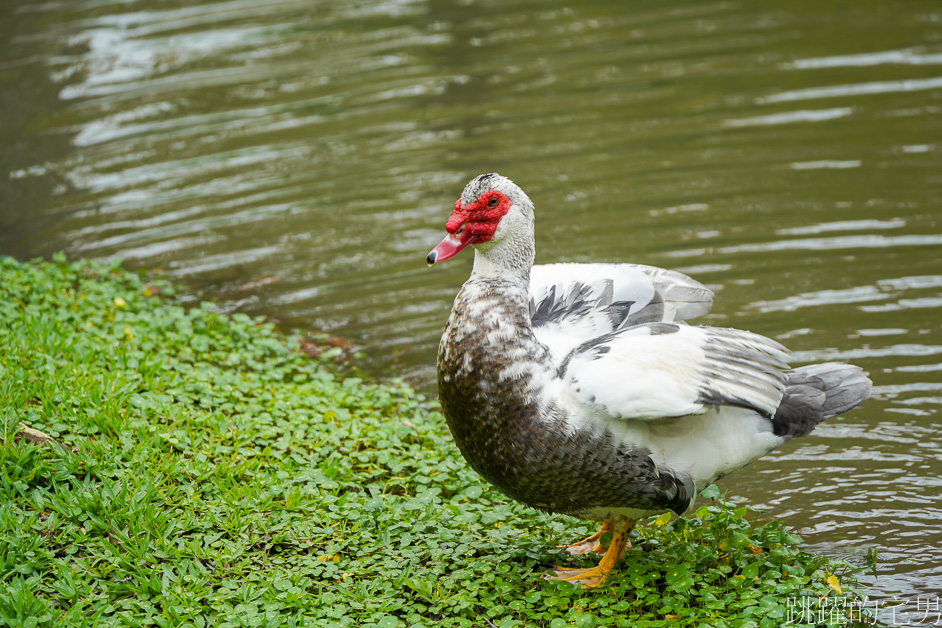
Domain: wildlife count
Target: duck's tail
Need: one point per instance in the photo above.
(816, 393)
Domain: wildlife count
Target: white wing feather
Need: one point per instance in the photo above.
(573, 303)
(657, 370)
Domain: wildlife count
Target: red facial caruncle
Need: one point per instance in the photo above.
(473, 224)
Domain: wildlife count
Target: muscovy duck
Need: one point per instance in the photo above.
(580, 389)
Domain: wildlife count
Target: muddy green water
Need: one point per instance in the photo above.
(298, 158)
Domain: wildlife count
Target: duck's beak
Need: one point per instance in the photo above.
(449, 247)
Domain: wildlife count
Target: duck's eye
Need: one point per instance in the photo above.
(492, 201)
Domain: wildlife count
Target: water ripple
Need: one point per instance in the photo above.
(843, 242)
(791, 117)
(843, 225)
(896, 57)
(854, 89)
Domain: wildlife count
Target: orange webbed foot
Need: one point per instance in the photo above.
(594, 576)
(589, 544)
(591, 577)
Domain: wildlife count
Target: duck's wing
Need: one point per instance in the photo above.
(573, 303)
(659, 370)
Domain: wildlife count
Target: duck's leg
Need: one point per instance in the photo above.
(588, 544)
(594, 576)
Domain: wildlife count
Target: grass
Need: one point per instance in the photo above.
(164, 466)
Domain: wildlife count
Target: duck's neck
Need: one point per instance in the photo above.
(510, 260)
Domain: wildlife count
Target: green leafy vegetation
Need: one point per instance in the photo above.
(164, 466)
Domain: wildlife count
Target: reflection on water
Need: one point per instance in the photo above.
(855, 89)
(789, 117)
(298, 158)
(906, 57)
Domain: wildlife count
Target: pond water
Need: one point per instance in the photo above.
(298, 158)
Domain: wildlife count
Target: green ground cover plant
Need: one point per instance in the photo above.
(164, 466)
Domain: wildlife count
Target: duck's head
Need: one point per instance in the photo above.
(492, 210)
